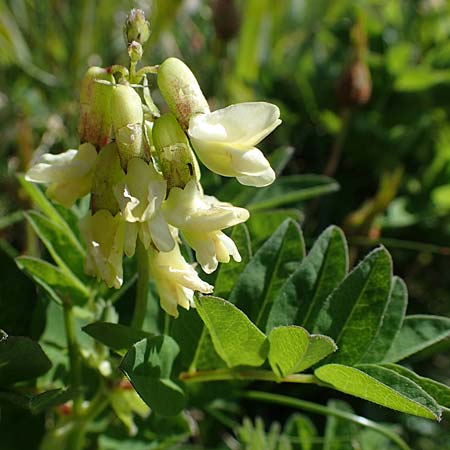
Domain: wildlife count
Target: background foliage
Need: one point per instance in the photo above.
(393, 175)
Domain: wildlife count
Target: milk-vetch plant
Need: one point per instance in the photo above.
(291, 316)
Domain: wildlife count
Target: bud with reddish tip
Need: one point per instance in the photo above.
(127, 118)
(95, 104)
(181, 90)
(176, 158)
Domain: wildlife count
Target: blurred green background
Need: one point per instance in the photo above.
(364, 92)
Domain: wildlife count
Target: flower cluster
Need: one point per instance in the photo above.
(143, 177)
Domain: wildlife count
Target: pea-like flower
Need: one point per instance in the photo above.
(68, 174)
(140, 197)
(225, 141)
(104, 235)
(201, 219)
(176, 280)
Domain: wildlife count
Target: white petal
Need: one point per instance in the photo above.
(160, 233)
(242, 125)
(131, 232)
(259, 180)
(249, 161)
(189, 210)
(205, 249)
(230, 246)
(104, 236)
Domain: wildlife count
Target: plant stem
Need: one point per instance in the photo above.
(326, 411)
(247, 374)
(336, 150)
(140, 307)
(74, 358)
(96, 406)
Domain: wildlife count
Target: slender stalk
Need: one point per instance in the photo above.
(326, 411)
(145, 70)
(133, 72)
(76, 439)
(96, 406)
(336, 150)
(247, 374)
(74, 358)
(140, 307)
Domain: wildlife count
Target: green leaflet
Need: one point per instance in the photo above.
(380, 385)
(64, 248)
(292, 189)
(229, 273)
(418, 333)
(293, 349)
(61, 285)
(271, 265)
(392, 322)
(114, 335)
(262, 224)
(302, 296)
(44, 204)
(21, 359)
(197, 350)
(353, 313)
(38, 403)
(236, 339)
(439, 391)
(148, 365)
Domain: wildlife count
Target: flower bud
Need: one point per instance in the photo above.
(176, 158)
(127, 117)
(136, 28)
(135, 51)
(107, 174)
(181, 91)
(95, 117)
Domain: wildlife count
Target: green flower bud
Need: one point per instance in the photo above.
(127, 117)
(136, 28)
(181, 91)
(176, 158)
(95, 118)
(107, 174)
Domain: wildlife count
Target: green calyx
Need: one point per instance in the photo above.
(176, 158)
(127, 118)
(181, 90)
(107, 173)
(95, 107)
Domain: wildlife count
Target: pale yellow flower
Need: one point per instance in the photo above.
(69, 174)
(225, 141)
(140, 197)
(104, 235)
(176, 280)
(201, 219)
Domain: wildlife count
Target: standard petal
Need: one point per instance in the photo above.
(242, 125)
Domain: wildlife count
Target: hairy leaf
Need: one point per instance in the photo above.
(236, 339)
